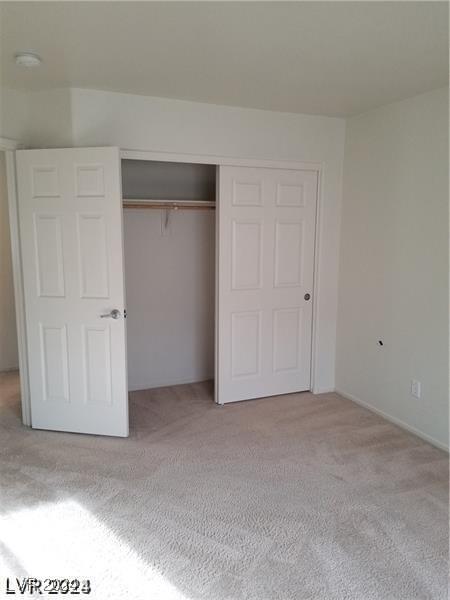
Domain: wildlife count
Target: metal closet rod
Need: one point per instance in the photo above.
(169, 204)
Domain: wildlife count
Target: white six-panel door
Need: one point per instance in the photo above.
(70, 214)
(266, 265)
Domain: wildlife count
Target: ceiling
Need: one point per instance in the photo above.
(329, 58)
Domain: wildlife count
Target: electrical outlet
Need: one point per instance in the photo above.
(416, 388)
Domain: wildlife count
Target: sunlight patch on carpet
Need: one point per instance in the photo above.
(64, 540)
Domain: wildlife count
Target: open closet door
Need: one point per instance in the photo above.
(265, 280)
(70, 215)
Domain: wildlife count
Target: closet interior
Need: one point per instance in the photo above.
(169, 251)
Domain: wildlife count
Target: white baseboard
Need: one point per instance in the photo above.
(9, 370)
(149, 385)
(394, 420)
(325, 390)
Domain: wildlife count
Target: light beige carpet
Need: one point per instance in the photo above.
(288, 498)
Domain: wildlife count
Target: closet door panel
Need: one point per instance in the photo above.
(266, 221)
(70, 217)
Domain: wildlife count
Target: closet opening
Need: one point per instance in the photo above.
(169, 253)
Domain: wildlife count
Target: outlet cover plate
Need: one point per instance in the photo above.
(416, 388)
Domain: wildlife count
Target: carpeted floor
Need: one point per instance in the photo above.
(288, 498)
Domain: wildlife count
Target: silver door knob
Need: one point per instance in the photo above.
(114, 314)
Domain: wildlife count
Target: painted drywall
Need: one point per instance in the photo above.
(92, 118)
(168, 180)
(49, 119)
(36, 119)
(143, 123)
(14, 115)
(169, 276)
(8, 336)
(393, 283)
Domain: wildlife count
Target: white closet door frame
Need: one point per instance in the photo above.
(9, 146)
(163, 157)
(219, 161)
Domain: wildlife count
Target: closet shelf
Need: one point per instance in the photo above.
(169, 204)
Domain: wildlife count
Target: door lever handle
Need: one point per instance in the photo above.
(114, 314)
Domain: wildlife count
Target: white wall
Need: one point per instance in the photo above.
(170, 297)
(142, 123)
(394, 263)
(8, 336)
(90, 117)
(49, 119)
(14, 115)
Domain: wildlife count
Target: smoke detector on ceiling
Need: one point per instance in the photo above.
(28, 59)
